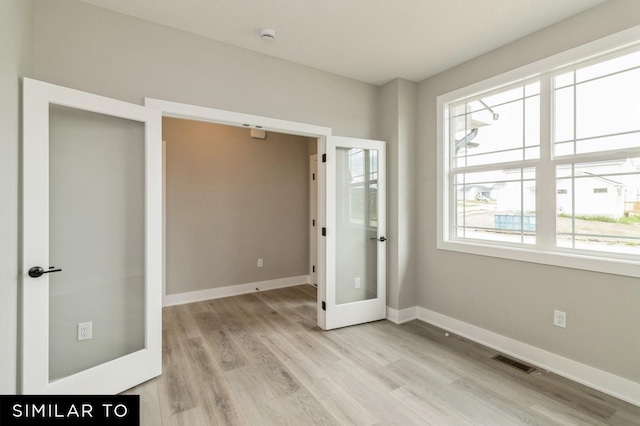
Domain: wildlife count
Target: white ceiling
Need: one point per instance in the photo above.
(369, 40)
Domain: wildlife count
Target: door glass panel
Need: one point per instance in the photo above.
(356, 224)
(97, 237)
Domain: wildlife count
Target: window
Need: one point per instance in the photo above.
(546, 168)
(492, 137)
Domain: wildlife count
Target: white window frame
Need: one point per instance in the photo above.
(545, 250)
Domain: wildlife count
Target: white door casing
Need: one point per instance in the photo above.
(313, 225)
(133, 368)
(345, 314)
(231, 118)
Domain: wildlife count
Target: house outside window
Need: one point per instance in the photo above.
(546, 163)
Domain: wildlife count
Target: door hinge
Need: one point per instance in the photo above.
(314, 176)
(324, 232)
(324, 158)
(313, 222)
(324, 306)
(313, 268)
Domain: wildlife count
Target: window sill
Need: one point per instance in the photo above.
(587, 262)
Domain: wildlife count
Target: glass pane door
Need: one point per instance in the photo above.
(92, 242)
(96, 236)
(356, 224)
(354, 287)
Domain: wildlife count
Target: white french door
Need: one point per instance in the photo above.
(92, 242)
(354, 287)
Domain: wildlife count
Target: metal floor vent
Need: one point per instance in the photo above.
(513, 363)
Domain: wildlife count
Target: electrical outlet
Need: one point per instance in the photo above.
(560, 319)
(260, 263)
(85, 331)
(357, 282)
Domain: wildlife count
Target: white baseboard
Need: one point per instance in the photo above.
(232, 290)
(403, 315)
(608, 383)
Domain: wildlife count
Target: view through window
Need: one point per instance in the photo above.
(506, 174)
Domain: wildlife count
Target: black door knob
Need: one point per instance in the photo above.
(38, 271)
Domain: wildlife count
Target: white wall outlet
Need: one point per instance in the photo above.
(260, 263)
(560, 319)
(85, 330)
(357, 282)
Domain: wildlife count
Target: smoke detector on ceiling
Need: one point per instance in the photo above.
(268, 34)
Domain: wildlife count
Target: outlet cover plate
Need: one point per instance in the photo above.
(560, 319)
(85, 331)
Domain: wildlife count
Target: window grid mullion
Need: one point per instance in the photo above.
(453, 207)
(545, 171)
(524, 157)
(573, 206)
(575, 114)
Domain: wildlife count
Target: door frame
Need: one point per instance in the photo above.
(236, 119)
(313, 226)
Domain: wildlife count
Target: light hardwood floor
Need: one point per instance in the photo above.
(260, 359)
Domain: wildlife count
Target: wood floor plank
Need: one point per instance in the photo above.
(193, 416)
(261, 359)
(176, 390)
(213, 390)
(383, 354)
(340, 403)
(182, 322)
(625, 417)
(379, 403)
(222, 347)
(510, 407)
(258, 403)
(277, 406)
(422, 373)
(429, 410)
(150, 413)
(360, 362)
(292, 306)
(559, 414)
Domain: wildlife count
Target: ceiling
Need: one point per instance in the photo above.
(368, 40)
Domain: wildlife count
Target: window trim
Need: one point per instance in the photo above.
(545, 252)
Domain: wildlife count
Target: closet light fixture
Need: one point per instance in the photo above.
(258, 134)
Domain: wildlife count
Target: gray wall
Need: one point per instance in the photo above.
(232, 199)
(98, 51)
(512, 298)
(16, 60)
(397, 122)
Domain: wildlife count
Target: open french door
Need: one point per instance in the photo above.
(92, 242)
(354, 287)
